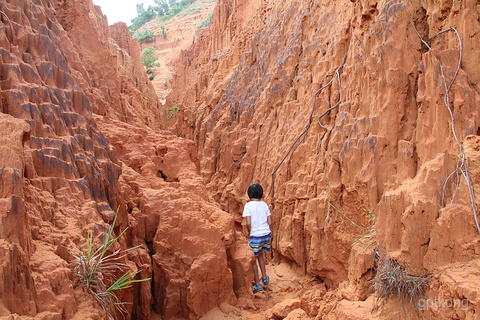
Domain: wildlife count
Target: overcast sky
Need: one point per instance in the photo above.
(121, 10)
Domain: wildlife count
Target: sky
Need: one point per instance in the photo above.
(121, 10)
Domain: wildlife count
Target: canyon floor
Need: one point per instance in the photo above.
(280, 297)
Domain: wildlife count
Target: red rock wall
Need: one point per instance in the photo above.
(246, 90)
(79, 139)
(190, 239)
(106, 63)
(59, 173)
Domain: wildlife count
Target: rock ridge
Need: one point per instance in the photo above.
(80, 141)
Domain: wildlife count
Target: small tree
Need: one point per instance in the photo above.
(164, 33)
(140, 8)
(162, 7)
(143, 17)
(149, 60)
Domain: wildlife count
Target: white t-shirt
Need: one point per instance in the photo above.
(258, 212)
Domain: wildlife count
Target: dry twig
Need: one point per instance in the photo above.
(392, 280)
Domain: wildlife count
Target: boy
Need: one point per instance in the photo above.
(258, 222)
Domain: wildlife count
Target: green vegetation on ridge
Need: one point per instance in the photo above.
(140, 36)
(166, 9)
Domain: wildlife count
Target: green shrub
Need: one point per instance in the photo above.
(174, 10)
(162, 19)
(206, 22)
(172, 112)
(164, 33)
(141, 36)
(149, 60)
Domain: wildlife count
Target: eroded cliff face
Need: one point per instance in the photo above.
(387, 173)
(80, 137)
(80, 140)
(191, 241)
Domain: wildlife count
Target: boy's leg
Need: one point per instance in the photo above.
(261, 262)
(255, 274)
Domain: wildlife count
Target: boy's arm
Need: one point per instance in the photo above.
(249, 223)
(269, 220)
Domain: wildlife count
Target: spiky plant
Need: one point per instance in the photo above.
(96, 269)
(392, 279)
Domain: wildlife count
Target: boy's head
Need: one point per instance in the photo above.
(255, 191)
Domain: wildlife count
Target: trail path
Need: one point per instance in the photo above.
(281, 297)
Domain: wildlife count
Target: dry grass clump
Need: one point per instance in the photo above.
(96, 269)
(392, 280)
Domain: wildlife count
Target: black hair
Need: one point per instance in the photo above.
(255, 191)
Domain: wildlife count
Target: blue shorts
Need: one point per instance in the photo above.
(259, 243)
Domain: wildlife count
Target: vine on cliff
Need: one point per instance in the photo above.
(303, 135)
(461, 168)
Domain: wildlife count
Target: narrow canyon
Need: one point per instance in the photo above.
(360, 118)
